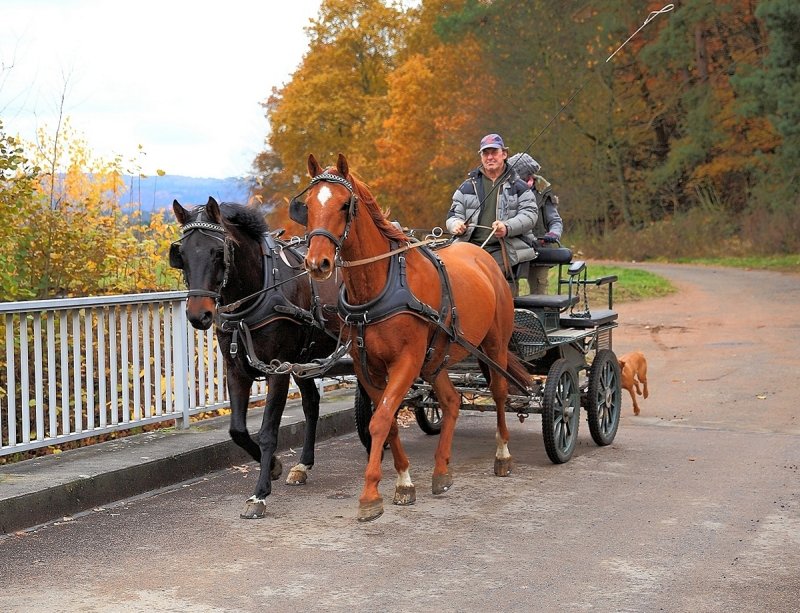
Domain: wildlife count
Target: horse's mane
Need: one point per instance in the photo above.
(365, 197)
(247, 219)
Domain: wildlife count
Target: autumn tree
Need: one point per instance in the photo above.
(18, 180)
(67, 233)
(771, 93)
(710, 159)
(336, 101)
(429, 139)
(692, 122)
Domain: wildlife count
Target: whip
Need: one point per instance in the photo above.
(665, 9)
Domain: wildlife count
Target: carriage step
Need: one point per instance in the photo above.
(597, 317)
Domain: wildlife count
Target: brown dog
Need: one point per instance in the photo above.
(633, 368)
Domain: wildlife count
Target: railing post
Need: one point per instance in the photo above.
(180, 359)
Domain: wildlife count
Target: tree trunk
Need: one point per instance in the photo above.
(701, 53)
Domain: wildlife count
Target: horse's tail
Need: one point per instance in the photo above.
(517, 369)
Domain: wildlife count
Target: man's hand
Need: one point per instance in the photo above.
(550, 237)
(500, 229)
(459, 228)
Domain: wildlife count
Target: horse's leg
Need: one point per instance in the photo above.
(404, 491)
(310, 396)
(450, 404)
(370, 504)
(498, 385)
(278, 388)
(239, 393)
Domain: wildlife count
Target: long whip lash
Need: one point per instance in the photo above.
(653, 14)
(665, 9)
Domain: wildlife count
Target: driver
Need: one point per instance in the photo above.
(496, 210)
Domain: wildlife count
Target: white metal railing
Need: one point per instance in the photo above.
(81, 367)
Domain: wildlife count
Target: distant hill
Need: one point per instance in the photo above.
(157, 193)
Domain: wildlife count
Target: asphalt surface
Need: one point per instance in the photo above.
(694, 507)
(55, 486)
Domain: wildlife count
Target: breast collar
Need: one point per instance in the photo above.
(270, 304)
(395, 297)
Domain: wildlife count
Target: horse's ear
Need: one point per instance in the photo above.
(341, 165)
(181, 214)
(314, 168)
(212, 210)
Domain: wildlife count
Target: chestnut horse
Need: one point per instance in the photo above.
(412, 312)
(264, 308)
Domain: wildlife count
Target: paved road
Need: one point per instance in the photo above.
(695, 507)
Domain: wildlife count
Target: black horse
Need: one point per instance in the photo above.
(266, 313)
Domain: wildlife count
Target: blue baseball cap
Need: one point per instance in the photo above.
(492, 141)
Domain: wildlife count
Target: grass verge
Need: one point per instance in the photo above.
(632, 284)
(778, 263)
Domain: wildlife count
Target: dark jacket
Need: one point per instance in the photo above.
(549, 220)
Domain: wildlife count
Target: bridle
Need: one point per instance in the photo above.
(298, 209)
(298, 212)
(211, 230)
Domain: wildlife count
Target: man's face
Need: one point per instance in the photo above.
(493, 159)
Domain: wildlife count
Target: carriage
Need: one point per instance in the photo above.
(567, 349)
(432, 329)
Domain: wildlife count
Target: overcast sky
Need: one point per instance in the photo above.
(182, 78)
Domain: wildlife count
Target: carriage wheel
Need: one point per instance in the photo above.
(363, 413)
(560, 412)
(604, 401)
(429, 415)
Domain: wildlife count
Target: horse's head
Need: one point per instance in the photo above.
(328, 211)
(201, 255)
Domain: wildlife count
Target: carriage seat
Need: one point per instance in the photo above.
(550, 256)
(545, 301)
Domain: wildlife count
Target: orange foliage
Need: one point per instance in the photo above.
(428, 142)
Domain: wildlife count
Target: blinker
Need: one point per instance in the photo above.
(175, 258)
(298, 212)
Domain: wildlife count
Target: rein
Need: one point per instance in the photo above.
(376, 258)
(229, 308)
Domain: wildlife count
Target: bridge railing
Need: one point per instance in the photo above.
(75, 368)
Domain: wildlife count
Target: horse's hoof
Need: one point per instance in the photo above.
(405, 495)
(502, 468)
(442, 483)
(367, 511)
(296, 477)
(276, 469)
(254, 509)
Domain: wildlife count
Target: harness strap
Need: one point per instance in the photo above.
(202, 292)
(271, 306)
(480, 355)
(506, 264)
(375, 258)
(446, 308)
(250, 351)
(444, 324)
(323, 232)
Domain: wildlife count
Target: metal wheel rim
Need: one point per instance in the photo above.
(567, 412)
(605, 400)
(434, 415)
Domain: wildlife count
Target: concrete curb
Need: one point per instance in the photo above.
(43, 489)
